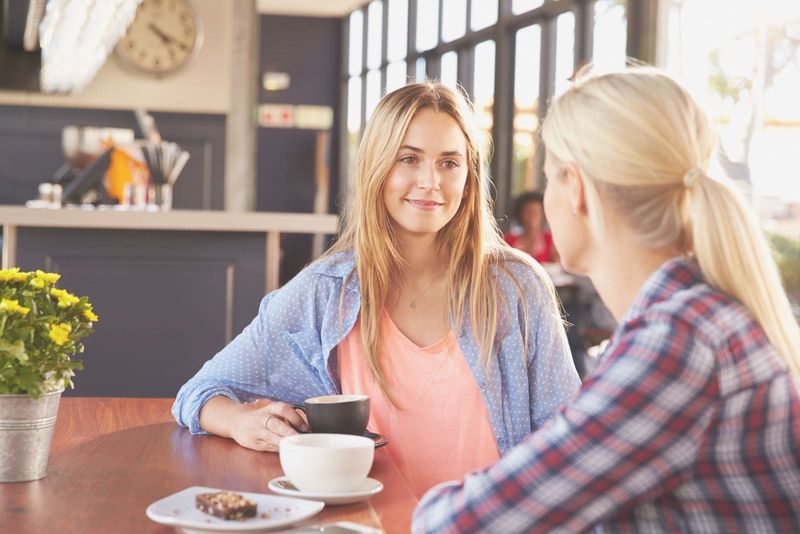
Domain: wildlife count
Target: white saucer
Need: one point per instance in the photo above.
(371, 487)
(178, 510)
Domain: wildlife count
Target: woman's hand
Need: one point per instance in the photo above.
(263, 423)
(259, 425)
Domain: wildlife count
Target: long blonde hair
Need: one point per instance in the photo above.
(644, 145)
(470, 242)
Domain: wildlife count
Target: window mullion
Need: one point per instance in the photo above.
(505, 11)
(584, 29)
(547, 75)
(344, 95)
(411, 41)
(433, 66)
(466, 65)
(384, 42)
(364, 43)
(441, 23)
(502, 130)
(642, 26)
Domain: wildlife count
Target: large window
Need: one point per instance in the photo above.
(355, 63)
(610, 37)
(510, 56)
(483, 86)
(526, 108)
(746, 74)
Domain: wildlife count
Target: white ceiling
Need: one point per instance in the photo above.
(308, 8)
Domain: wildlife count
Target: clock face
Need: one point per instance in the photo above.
(162, 38)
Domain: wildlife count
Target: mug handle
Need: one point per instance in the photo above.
(302, 409)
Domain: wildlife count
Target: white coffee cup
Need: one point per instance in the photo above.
(326, 463)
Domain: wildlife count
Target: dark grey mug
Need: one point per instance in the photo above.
(337, 414)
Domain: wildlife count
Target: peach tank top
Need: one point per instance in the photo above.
(441, 429)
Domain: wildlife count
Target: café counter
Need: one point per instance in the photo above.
(171, 288)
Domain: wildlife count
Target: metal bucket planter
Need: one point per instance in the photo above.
(26, 429)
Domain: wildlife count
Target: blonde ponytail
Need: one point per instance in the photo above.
(643, 143)
(735, 258)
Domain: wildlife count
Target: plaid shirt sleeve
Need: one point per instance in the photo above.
(630, 435)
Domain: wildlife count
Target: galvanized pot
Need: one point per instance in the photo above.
(26, 428)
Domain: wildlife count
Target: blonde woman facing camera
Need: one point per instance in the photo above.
(691, 422)
(455, 337)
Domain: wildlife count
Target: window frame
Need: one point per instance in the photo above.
(639, 15)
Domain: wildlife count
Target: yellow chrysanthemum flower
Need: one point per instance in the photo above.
(65, 299)
(13, 306)
(90, 316)
(50, 278)
(68, 301)
(7, 274)
(38, 283)
(59, 333)
(12, 275)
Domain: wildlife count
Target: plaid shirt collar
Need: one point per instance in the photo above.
(675, 274)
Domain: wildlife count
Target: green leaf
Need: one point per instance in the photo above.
(15, 349)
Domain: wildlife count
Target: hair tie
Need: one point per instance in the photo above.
(691, 176)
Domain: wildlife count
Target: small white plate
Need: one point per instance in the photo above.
(371, 487)
(178, 510)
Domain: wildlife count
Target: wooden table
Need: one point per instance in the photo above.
(111, 457)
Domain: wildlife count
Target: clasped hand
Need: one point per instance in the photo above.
(263, 423)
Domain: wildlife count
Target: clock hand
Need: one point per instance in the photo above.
(166, 39)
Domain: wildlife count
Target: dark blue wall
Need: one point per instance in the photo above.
(30, 150)
(308, 50)
(19, 70)
(167, 300)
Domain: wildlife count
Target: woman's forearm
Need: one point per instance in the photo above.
(219, 414)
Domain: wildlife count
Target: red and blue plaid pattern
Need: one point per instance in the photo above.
(691, 423)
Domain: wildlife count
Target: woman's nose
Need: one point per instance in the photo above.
(428, 179)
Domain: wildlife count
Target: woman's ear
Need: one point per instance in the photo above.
(577, 191)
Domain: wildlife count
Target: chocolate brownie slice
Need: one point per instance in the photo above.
(226, 505)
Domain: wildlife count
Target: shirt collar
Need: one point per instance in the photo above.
(339, 265)
(674, 275)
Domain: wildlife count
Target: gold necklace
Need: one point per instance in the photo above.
(413, 303)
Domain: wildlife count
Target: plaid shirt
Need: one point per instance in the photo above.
(691, 423)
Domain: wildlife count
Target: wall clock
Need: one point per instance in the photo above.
(164, 36)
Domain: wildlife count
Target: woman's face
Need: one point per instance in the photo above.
(570, 236)
(532, 216)
(425, 186)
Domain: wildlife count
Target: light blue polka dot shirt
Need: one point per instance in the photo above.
(287, 352)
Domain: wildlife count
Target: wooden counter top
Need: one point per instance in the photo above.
(272, 225)
(197, 220)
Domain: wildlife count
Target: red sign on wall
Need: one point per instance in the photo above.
(276, 116)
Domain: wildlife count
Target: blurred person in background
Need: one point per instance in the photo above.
(531, 234)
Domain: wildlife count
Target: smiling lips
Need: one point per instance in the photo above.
(424, 204)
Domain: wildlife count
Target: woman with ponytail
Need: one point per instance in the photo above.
(456, 338)
(691, 421)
